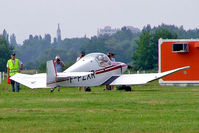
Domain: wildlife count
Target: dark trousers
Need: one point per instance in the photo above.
(13, 86)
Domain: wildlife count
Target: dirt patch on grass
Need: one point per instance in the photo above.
(37, 109)
(1, 100)
(43, 100)
(13, 110)
(108, 110)
(195, 90)
(196, 94)
(63, 100)
(154, 102)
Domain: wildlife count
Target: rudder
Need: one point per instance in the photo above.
(51, 73)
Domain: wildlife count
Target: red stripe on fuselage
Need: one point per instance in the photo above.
(107, 69)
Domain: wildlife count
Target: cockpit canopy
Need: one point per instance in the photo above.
(101, 59)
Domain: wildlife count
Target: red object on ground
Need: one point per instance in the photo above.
(8, 80)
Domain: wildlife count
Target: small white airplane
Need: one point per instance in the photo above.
(92, 70)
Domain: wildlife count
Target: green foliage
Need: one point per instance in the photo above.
(42, 67)
(13, 40)
(37, 50)
(179, 31)
(146, 55)
(121, 43)
(31, 49)
(141, 56)
(5, 52)
(67, 65)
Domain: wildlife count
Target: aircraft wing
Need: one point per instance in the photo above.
(31, 81)
(135, 79)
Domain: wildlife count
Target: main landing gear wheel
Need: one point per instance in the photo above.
(124, 87)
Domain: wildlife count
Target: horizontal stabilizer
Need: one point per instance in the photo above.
(31, 81)
(136, 79)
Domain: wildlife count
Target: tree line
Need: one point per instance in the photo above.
(139, 49)
(36, 50)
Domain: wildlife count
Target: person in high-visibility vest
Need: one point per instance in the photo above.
(14, 66)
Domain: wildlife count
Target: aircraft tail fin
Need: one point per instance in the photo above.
(54, 78)
(51, 73)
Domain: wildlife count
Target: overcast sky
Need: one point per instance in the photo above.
(83, 17)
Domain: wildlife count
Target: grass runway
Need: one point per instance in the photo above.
(147, 109)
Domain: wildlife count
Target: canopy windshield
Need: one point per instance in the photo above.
(101, 59)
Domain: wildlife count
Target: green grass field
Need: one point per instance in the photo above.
(147, 109)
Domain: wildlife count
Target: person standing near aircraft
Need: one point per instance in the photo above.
(112, 58)
(82, 54)
(59, 65)
(14, 66)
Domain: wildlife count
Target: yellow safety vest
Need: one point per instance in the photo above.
(13, 68)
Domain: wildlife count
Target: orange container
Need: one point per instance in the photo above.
(8, 80)
(185, 55)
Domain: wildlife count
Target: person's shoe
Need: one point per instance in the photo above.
(51, 90)
(88, 89)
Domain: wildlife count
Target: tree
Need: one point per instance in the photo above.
(36, 50)
(13, 40)
(146, 55)
(30, 37)
(5, 52)
(6, 36)
(141, 57)
(47, 38)
(121, 43)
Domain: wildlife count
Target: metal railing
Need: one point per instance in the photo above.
(2, 76)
